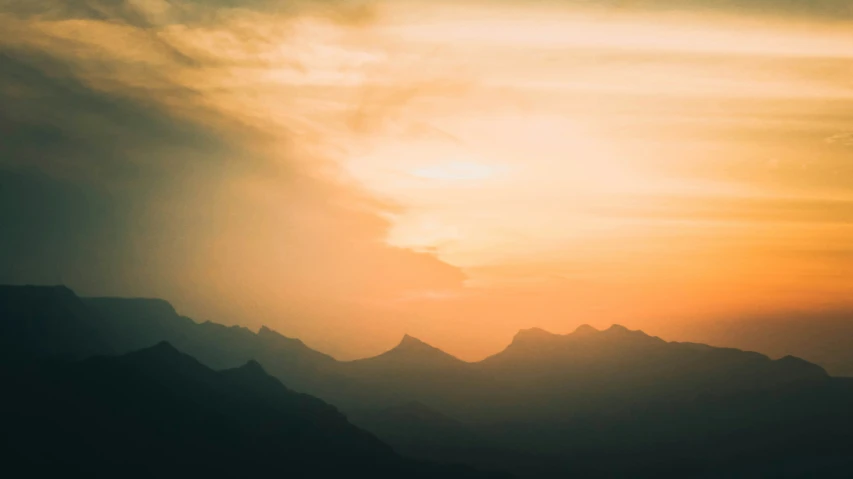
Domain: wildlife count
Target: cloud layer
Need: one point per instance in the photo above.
(348, 171)
(149, 155)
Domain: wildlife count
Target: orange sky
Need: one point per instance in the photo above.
(459, 171)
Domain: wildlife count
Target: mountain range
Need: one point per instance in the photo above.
(610, 403)
(823, 338)
(159, 412)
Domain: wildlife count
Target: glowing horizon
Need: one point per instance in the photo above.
(457, 171)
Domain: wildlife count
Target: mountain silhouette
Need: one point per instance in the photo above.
(610, 362)
(43, 321)
(411, 353)
(620, 351)
(161, 412)
(549, 372)
(609, 403)
(138, 323)
(417, 430)
(416, 418)
(823, 338)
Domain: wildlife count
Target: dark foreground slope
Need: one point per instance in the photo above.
(38, 321)
(160, 413)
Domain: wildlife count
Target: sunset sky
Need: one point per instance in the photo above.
(347, 172)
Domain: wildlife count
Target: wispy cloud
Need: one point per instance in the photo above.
(843, 139)
(254, 159)
(166, 149)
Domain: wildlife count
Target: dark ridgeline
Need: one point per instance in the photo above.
(158, 412)
(37, 322)
(138, 323)
(824, 338)
(612, 403)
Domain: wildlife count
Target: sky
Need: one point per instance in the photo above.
(346, 172)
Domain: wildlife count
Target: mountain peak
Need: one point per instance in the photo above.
(163, 356)
(411, 341)
(618, 334)
(617, 330)
(269, 332)
(163, 348)
(584, 330)
(252, 368)
(795, 365)
(410, 344)
(252, 365)
(622, 331)
(532, 335)
(412, 351)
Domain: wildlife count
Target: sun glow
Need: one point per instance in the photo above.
(579, 155)
(590, 161)
(455, 171)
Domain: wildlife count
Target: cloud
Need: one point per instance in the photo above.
(190, 149)
(843, 139)
(147, 151)
(57, 123)
(836, 9)
(737, 209)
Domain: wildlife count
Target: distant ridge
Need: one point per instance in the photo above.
(532, 335)
(410, 352)
(134, 323)
(47, 321)
(822, 337)
(608, 403)
(159, 412)
(585, 329)
(121, 325)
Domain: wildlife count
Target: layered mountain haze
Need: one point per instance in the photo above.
(548, 405)
(414, 370)
(426, 239)
(139, 323)
(823, 338)
(49, 321)
(410, 353)
(608, 363)
(160, 412)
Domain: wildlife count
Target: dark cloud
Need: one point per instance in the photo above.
(118, 179)
(53, 121)
(77, 166)
(150, 13)
(836, 9)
